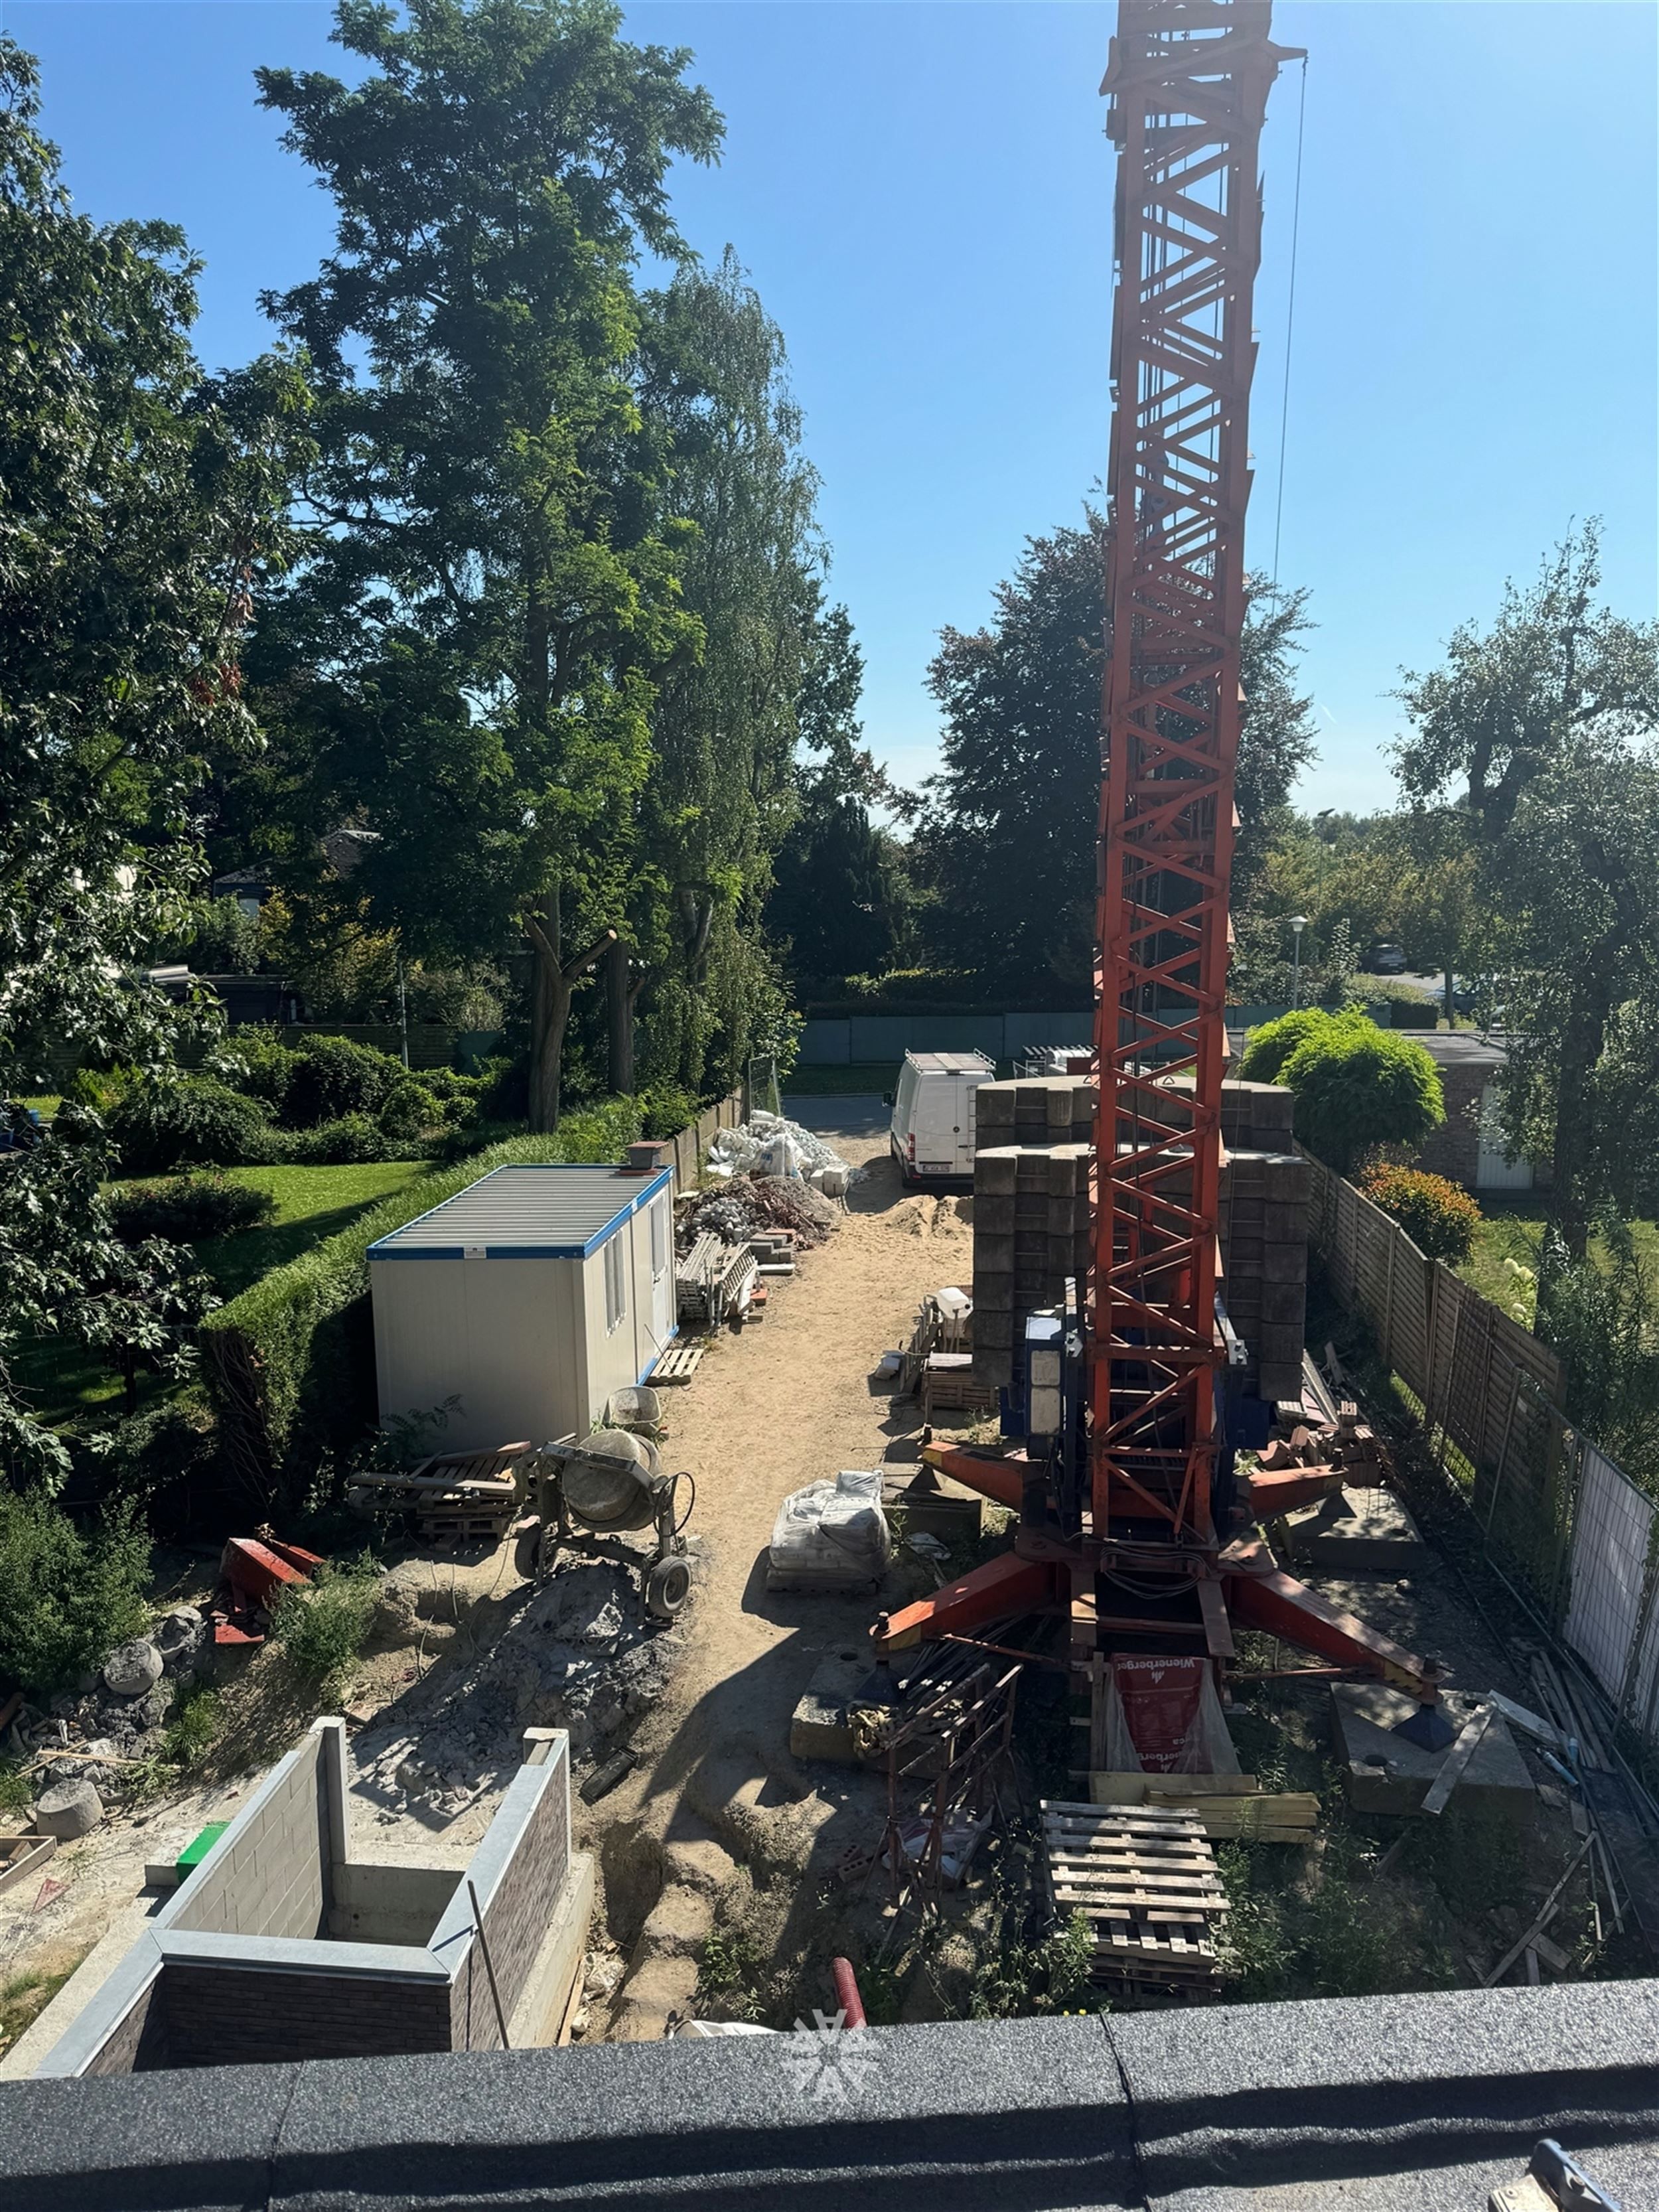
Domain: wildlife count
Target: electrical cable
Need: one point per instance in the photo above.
(1289, 318)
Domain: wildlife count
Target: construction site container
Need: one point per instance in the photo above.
(530, 1296)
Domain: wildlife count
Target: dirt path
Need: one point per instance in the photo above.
(785, 1404)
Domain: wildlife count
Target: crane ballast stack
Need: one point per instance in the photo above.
(1126, 1512)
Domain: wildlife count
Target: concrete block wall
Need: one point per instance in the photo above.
(223, 2013)
(270, 1876)
(1264, 1258)
(518, 1873)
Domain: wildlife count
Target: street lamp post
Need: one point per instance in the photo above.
(1299, 923)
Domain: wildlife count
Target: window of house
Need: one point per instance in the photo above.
(616, 1285)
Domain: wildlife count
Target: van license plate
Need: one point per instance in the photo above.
(936, 1167)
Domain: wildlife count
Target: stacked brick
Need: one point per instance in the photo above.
(1034, 1144)
(1031, 1219)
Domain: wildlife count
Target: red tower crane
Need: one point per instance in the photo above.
(1119, 1517)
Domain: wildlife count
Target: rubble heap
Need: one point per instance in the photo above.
(580, 1656)
(120, 1713)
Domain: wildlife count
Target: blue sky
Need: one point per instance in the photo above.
(922, 194)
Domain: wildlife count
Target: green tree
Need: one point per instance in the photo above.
(1007, 841)
(140, 512)
(468, 663)
(720, 793)
(1543, 727)
(1357, 1086)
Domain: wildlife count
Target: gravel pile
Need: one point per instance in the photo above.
(580, 1656)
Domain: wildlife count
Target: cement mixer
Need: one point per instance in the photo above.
(581, 1497)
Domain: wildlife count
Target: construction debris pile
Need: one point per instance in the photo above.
(581, 1656)
(767, 1145)
(108, 1727)
(749, 1205)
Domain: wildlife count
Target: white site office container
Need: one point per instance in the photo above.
(531, 1295)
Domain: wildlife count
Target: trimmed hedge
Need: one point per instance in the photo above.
(1439, 1216)
(290, 1363)
(188, 1208)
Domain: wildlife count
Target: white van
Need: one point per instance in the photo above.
(932, 1125)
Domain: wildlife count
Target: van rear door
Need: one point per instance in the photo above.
(937, 1093)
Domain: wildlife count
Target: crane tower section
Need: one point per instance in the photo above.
(1188, 83)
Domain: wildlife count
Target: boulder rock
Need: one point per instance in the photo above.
(133, 1668)
(69, 1810)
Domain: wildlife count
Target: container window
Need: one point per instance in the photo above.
(615, 1287)
(659, 1238)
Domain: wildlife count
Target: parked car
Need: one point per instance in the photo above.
(1385, 959)
(932, 1131)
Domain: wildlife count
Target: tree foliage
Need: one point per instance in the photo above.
(1356, 1087)
(1007, 841)
(469, 661)
(1544, 730)
(141, 513)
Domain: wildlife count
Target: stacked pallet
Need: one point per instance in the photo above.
(457, 1497)
(1144, 1879)
(1232, 1806)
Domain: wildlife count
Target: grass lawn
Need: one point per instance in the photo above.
(1513, 1231)
(65, 1382)
(312, 1203)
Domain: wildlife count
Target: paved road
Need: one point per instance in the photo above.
(858, 1115)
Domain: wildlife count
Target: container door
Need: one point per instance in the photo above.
(662, 1275)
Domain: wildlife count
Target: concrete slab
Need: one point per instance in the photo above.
(1387, 1773)
(1355, 1532)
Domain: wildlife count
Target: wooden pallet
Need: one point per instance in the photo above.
(677, 1365)
(1222, 1804)
(1145, 1880)
(948, 1386)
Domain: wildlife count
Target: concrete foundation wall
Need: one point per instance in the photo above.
(138, 2043)
(517, 1873)
(389, 1903)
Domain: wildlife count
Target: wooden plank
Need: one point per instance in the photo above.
(1201, 1785)
(1453, 1766)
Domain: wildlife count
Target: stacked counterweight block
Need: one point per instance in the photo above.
(1032, 1173)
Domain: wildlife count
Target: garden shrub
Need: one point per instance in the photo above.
(188, 1208)
(1356, 1087)
(1438, 1217)
(66, 1599)
(1268, 1048)
(411, 1110)
(291, 1361)
(323, 1626)
(164, 1459)
(190, 1121)
(256, 1061)
(667, 1108)
(352, 1141)
(334, 1077)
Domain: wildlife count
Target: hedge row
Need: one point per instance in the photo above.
(290, 1363)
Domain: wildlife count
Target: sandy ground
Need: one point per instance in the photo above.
(781, 1404)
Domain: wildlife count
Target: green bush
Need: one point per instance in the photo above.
(189, 1122)
(1439, 1218)
(1268, 1048)
(193, 1727)
(1357, 1086)
(351, 1142)
(334, 1077)
(66, 1600)
(667, 1108)
(411, 1110)
(188, 1208)
(96, 1088)
(322, 1625)
(257, 1061)
(291, 1361)
(167, 1452)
